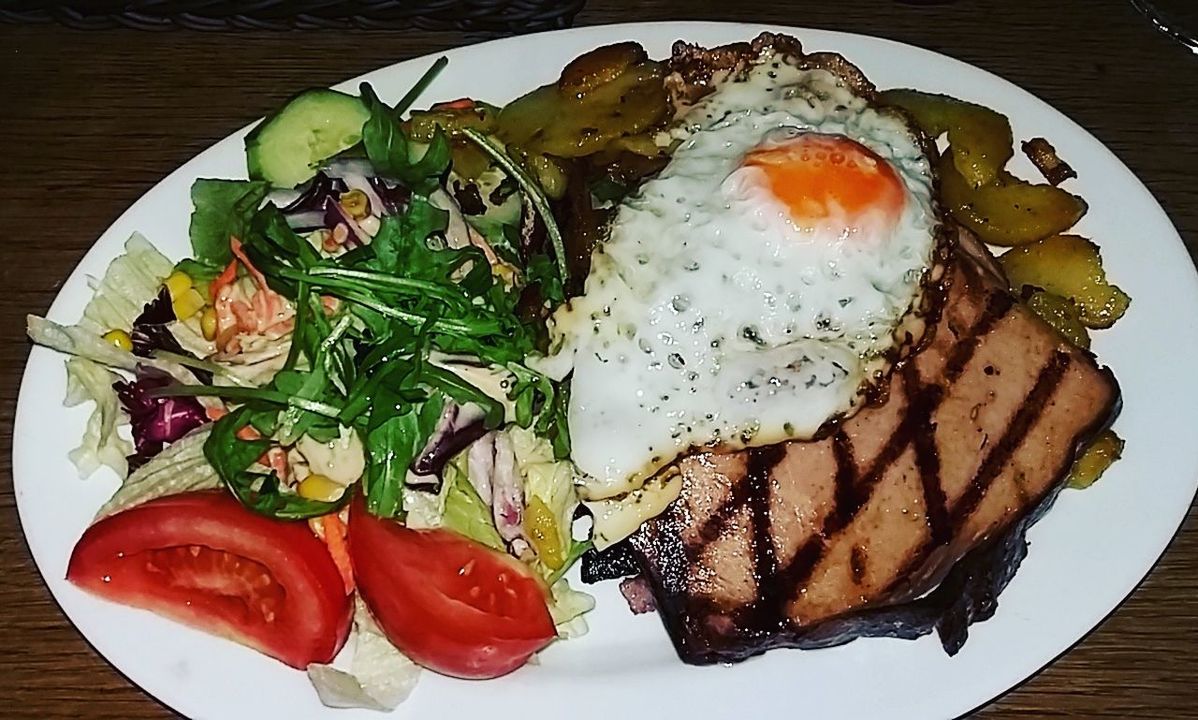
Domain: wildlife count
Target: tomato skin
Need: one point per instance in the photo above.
(450, 604)
(203, 559)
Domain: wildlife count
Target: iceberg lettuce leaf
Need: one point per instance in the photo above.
(379, 676)
(101, 444)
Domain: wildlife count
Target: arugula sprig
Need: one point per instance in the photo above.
(361, 361)
(532, 191)
(542, 405)
(390, 152)
(232, 457)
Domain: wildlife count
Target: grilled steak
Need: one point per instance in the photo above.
(810, 543)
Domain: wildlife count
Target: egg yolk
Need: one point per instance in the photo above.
(826, 179)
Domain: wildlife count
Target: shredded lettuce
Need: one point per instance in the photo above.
(425, 509)
(130, 281)
(119, 297)
(456, 507)
(379, 676)
(567, 609)
(549, 479)
(101, 445)
(82, 342)
(465, 512)
(553, 482)
(181, 467)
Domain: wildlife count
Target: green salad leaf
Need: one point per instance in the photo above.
(223, 208)
(396, 433)
(465, 512)
(390, 152)
(365, 322)
(543, 273)
(232, 458)
(402, 243)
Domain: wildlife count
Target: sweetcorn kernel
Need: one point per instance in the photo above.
(119, 338)
(178, 283)
(208, 323)
(188, 303)
(320, 487)
(356, 204)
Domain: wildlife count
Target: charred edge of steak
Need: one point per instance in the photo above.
(617, 561)
(968, 593)
(695, 70)
(933, 294)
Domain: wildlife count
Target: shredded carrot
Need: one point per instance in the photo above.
(262, 313)
(259, 278)
(276, 459)
(246, 321)
(246, 433)
(333, 531)
(224, 279)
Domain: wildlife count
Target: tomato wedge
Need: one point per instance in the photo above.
(203, 559)
(450, 604)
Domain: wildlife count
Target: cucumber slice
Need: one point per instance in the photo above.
(286, 148)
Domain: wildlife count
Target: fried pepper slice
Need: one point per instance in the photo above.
(1007, 211)
(980, 137)
(1069, 266)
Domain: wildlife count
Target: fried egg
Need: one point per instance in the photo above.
(757, 287)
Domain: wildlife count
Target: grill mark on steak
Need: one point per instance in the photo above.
(927, 456)
(834, 587)
(924, 399)
(846, 471)
(927, 460)
(1046, 384)
(714, 525)
(997, 307)
(759, 498)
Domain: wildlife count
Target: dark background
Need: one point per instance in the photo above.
(90, 120)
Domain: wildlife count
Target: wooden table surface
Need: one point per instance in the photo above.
(90, 120)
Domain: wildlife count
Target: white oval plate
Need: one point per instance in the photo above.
(1087, 554)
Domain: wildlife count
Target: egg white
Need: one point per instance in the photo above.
(709, 318)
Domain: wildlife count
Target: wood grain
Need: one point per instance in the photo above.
(91, 120)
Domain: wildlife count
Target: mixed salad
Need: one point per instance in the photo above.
(325, 420)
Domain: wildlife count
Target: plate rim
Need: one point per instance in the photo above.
(25, 403)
